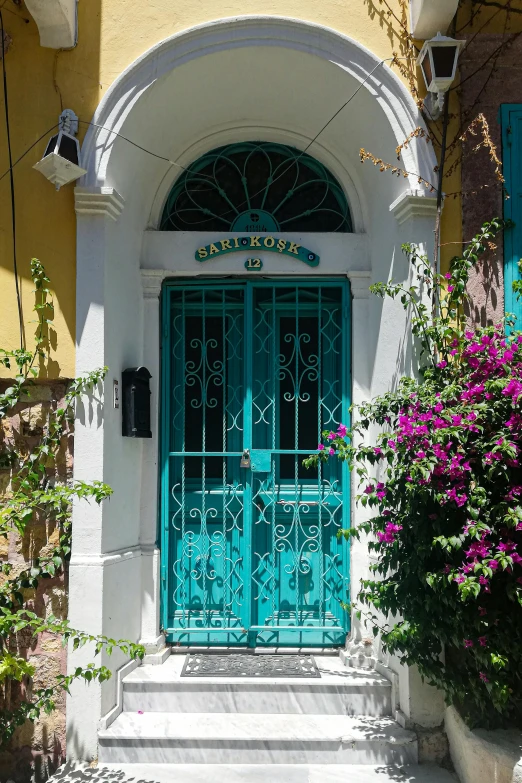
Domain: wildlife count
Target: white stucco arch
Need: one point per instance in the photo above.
(161, 102)
(255, 31)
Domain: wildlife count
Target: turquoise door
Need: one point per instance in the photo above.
(252, 372)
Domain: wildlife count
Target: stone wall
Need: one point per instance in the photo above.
(36, 749)
(484, 91)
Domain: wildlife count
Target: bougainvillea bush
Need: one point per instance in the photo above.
(443, 480)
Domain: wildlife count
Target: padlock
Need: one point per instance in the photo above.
(245, 459)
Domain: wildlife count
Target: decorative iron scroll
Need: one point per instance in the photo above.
(257, 187)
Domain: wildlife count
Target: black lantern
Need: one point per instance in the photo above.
(136, 403)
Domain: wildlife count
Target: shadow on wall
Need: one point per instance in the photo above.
(41, 83)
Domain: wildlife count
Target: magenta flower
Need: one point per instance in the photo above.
(493, 564)
(482, 640)
(482, 611)
(442, 364)
(331, 436)
(342, 429)
(388, 537)
(320, 447)
(331, 452)
(451, 288)
(448, 275)
(381, 491)
(369, 489)
(483, 677)
(468, 643)
(377, 451)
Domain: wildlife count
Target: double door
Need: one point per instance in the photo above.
(252, 373)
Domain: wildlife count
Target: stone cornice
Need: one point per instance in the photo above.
(428, 17)
(104, 201)
(413, 205)
(57, 22)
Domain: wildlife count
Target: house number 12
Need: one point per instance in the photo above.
(253, 263)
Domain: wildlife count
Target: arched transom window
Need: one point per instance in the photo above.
(256, 186)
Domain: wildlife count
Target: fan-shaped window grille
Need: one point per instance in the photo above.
(256, 186)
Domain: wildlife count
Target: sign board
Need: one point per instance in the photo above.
(257, 243)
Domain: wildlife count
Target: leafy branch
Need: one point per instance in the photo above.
(39, 496)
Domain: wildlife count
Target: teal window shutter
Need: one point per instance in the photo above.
(511, 119)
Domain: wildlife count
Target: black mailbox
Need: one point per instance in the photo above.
(136, 403)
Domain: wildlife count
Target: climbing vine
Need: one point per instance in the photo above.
(38, 496)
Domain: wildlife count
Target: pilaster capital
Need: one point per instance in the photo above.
(104, 201)
(151, 281)
(360, 282)
(411, 205)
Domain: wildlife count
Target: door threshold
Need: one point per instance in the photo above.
(183, 650)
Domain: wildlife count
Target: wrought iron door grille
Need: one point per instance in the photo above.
(250, 555)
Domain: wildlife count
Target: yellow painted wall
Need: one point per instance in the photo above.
(113, 33)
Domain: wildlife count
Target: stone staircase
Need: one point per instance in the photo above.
(277, 730)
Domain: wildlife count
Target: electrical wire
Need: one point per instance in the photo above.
(22, 156)
(188, 170)
(301, 154)
(13, 200)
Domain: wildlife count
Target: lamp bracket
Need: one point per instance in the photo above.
(434, 104)
(68, 122)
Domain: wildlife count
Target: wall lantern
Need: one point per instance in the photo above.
(61, 160)
(136, 403)
(438, 60)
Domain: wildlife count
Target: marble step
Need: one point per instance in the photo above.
(266, 773)
(213, 738)
(339, 691)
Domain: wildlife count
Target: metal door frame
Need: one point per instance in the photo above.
(165, 399)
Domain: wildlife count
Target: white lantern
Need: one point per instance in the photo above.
(438, 60)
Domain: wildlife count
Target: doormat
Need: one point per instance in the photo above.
(248, 665)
